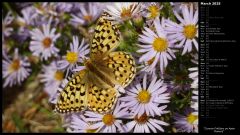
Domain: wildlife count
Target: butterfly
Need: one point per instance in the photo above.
(95, 87)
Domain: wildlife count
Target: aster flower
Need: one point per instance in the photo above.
(6, 30)
(79, 124)
(109, 122)
(156, 46)
(194, 102)
(148, 67)
(194, 76)
(76, 7)
(151, 10)
(42, 44)
(45, 8)
(52, 78)
(187, 31)
(28, 14)
(15, 70)
(145, 124)
(188, 122)
(178, 6)
(46, 11)
(74, 56)
(24, 21)
(64, 7)
(142, 99)
(54, 96)
(194, 72)
(122, 11)
(88, 14)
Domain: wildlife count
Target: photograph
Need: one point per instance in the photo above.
(104, 67)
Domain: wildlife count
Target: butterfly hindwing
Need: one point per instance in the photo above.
(73, 96)
(101, 100)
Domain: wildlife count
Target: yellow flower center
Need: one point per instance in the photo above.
(126, 13)
(154, 11)
(160, 45)
(88, 18)
(47, 42)
(191, 118)
(144, 96)
(190, 31)
(150, 61)
(108, 119)
(15, 65)
(72, 57)
(58, 75)
(142, 119)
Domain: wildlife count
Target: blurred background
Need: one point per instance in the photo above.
(26, 109)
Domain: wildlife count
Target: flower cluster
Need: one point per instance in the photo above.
(51, 41)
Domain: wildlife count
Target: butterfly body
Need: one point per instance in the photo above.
(94, 87)
(94, 73)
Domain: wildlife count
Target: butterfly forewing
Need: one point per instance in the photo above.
(105, 39)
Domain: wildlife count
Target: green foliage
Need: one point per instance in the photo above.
(18, 121)
(129, 37)
(167, 11)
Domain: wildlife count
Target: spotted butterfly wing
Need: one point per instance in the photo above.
(122, 67)
(73, 96)
(106, 38)
(101, 100)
